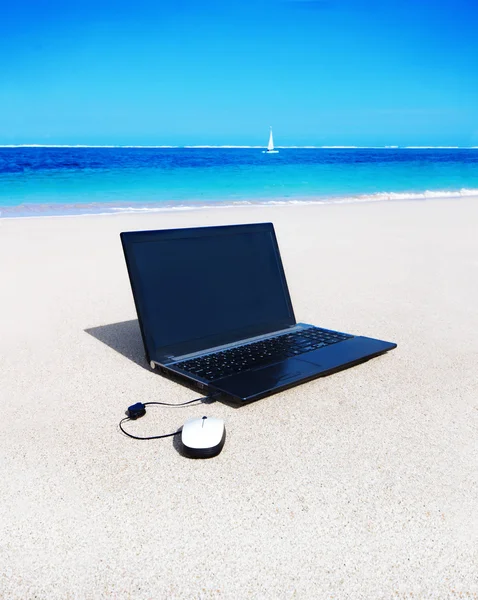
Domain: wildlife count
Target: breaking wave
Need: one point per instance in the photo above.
(78, 209)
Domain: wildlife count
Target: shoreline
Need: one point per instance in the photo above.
(160, 207)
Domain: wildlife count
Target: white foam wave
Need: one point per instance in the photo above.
(428, 194)
(40, 211)
(77, 146)
(346, 147)
(378, 197)
(433, 147)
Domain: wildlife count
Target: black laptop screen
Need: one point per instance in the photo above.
(202, 287)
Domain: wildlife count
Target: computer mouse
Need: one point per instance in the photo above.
(203, 437)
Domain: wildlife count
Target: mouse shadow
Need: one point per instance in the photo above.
(177, 445)
(125, 338)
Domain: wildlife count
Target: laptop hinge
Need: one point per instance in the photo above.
(171, 359)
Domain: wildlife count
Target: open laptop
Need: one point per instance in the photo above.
(214, 311)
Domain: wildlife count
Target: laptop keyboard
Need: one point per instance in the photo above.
(259, 354)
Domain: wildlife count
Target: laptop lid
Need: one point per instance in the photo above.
(198, 288)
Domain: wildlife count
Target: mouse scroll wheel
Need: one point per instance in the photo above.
(203, 419)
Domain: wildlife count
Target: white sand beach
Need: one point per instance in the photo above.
(358, 485)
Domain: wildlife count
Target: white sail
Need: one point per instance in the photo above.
(270, 146)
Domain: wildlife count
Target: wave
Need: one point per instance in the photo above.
(432, 147)
(73, 210)
(78, 146)
(377, 197)
(427, 195)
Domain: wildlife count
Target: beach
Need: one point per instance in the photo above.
(362, 484)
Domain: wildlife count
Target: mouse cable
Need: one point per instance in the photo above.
(138, 410)
(152, 437)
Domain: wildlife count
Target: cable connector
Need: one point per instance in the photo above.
(135, 411)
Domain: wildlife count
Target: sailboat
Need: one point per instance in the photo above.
(270, 146)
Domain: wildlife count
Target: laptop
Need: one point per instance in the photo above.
(215, 312)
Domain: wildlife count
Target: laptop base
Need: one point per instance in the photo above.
(252, 385)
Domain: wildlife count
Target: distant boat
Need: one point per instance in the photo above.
(270, 146)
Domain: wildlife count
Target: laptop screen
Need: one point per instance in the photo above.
(203, 287)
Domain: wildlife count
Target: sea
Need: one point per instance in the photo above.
(38, 181)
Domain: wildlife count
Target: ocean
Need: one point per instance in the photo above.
(40, 181)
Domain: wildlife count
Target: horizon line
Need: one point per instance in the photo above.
(166, 146)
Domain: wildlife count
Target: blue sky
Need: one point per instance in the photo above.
(321, 72)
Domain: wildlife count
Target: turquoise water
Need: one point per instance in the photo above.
(41, 181)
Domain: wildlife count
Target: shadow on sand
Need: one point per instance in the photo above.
(125, 338)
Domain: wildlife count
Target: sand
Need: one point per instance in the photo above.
(362, 484)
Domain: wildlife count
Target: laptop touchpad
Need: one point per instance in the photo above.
(249, 383)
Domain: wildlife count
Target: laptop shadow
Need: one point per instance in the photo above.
(125, 338)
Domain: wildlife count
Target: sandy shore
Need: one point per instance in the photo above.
(358, 485)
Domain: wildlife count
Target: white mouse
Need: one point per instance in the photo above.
(203, 437)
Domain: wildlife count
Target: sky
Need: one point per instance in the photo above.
(179, 72)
